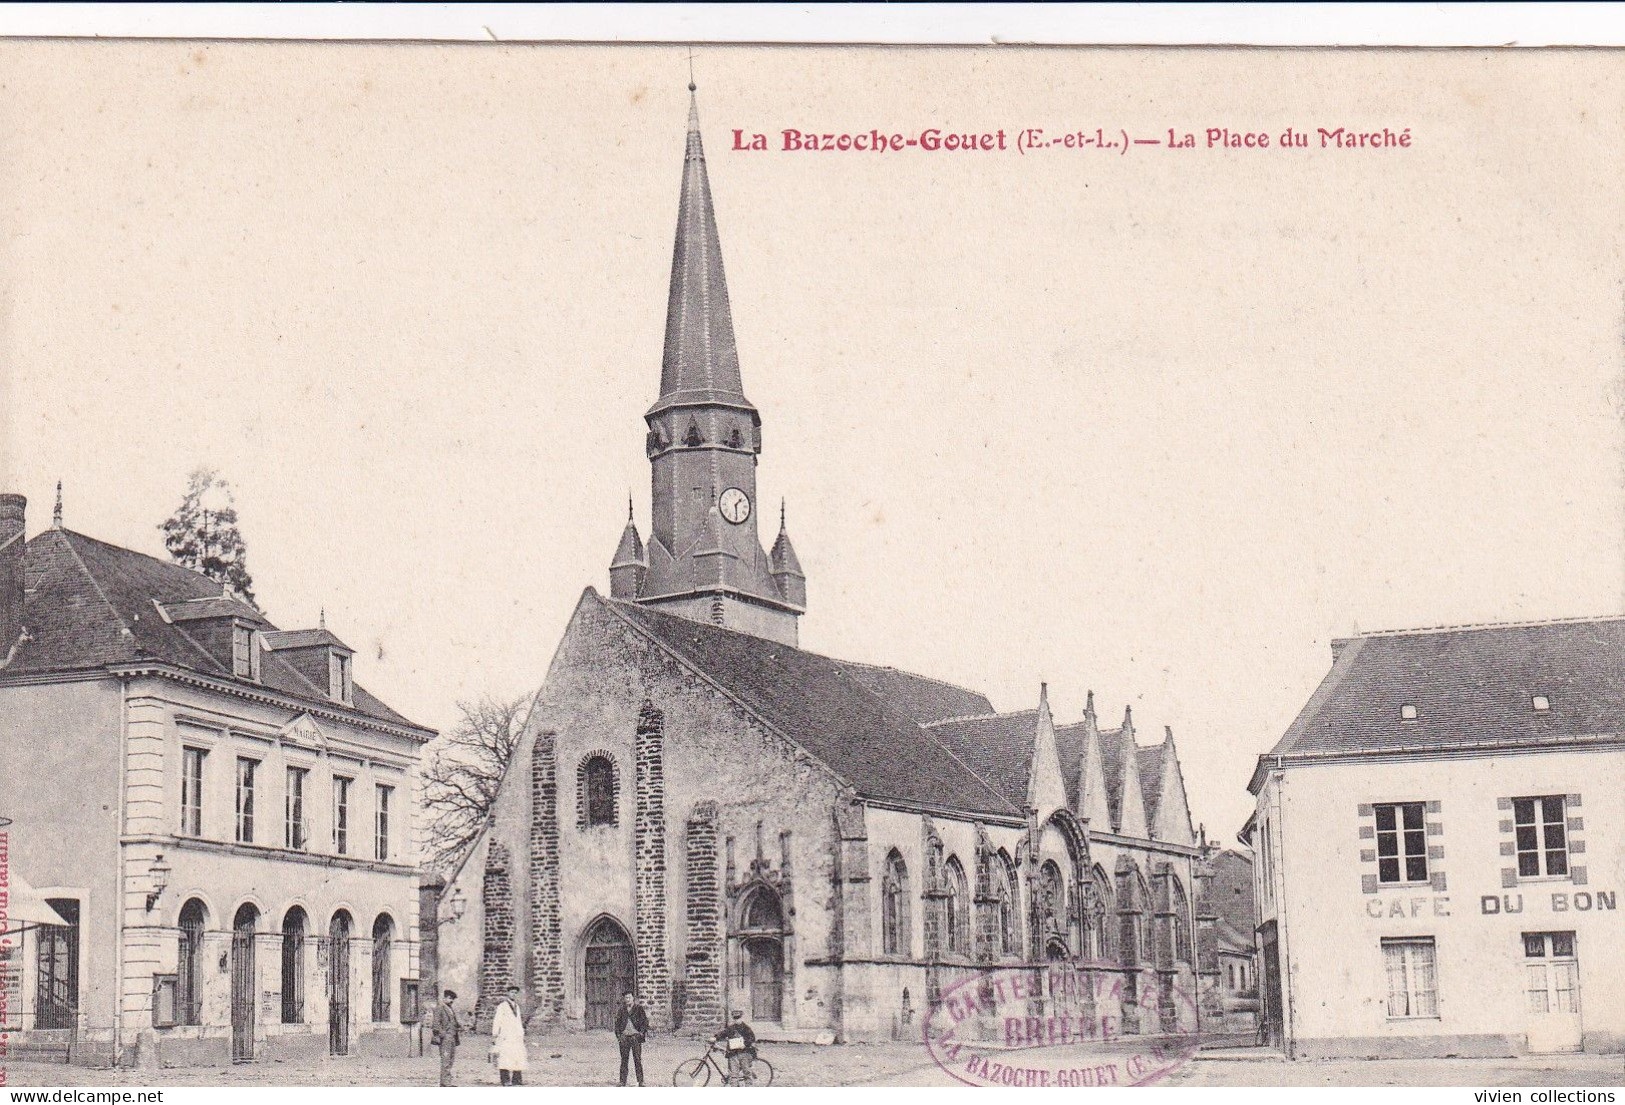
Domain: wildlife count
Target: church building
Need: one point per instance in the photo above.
(704, 813)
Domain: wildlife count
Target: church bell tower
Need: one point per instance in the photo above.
(704, 557)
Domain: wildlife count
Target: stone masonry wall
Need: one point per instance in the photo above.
(496, 960)
(704, 961)
(546, 961)
(649, 852)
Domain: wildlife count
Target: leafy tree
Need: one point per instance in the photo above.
(463, 772)
(202, 534)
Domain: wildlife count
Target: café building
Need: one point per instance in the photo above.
(1440, 843)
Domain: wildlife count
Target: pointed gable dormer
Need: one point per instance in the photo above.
(325, 661)
(1172, 820)
(1131, 820)
(1046, 791)
(1094, 800)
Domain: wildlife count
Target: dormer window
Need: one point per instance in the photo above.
(245, 660)
(1407, 712)
(1540, 703)
(339, 687)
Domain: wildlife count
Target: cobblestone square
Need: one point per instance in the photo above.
(589, 1059)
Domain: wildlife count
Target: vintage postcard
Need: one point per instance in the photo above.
(646, 565)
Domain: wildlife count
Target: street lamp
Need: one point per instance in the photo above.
(159, 874)
(456, 906)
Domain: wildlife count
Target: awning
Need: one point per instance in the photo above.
(25, 909)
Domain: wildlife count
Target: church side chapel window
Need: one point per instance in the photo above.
(1105, 908)
(958, 928)
(597, 781)
(1003, 890)
(894, 907)
(1132, 897)
(1179, 905)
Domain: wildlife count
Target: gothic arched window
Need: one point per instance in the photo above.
(894, 934)
(1180, 907)
(598, 788)
(1103, 922)
(1004, 889)
(958, 920)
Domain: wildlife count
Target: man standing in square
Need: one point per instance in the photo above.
(631, 1027)
(446, 1034)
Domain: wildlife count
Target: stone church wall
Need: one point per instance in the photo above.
(637, 871)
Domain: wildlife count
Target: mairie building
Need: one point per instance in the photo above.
(217, 812)
(704, 813)
(1440, 846)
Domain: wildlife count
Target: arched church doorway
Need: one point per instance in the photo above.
(608, 970)
(761, 944)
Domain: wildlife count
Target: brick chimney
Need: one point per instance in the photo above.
(12, 508)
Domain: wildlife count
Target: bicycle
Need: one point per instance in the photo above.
(697, 1072)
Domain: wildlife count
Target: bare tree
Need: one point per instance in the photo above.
(463, 773)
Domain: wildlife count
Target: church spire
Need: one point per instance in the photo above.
(703, 558)
(701, 361)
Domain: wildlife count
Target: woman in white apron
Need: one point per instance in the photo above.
(508, 1040)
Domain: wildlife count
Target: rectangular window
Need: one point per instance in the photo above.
(297, 835)
(384, 794)
(1542, 833)
(1413, 989)
(192, 791)
(1402, 851)
(341, 815)
(338, 677)
(245, 799)
(1552, 973)
(242, 652)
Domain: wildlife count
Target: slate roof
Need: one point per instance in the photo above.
(1069, 750)
(1113, 743)
(1472, 688)
(922, 698)
(303, 638)
(91, 605)
(866, 738)
(998, 747)
(1149, 761)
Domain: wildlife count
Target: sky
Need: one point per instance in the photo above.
(1158, 424)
